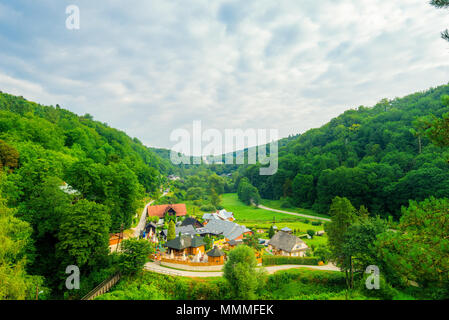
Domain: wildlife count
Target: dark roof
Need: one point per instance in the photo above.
(150, 224)
(228, 229)
(185, 241)
(215, 252)
(190, 230)
(191, 221)
(285, 241)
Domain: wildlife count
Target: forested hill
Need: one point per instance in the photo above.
(88, 155)
(377, 157)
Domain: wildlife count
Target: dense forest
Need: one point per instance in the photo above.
(67, 183)
(365, 154)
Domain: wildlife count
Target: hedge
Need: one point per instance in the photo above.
(279, 260)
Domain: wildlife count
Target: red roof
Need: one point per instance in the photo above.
(160, 210)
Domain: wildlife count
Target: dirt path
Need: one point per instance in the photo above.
(151, 266)
(294, 213)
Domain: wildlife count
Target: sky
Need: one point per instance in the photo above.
(151, 67)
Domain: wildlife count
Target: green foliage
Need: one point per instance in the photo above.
(441, 4)
(208, 208)
(322, 252)
(134, 255)
(385, 291)
(84, 235)
(365, 155)
(303, 284)
(15, 241)
(247, 193)
(311, 233)
(9, 156)
(241, 274)
(271, 232)
(171, 233)
(269, 260)
(419, 250)
(343, 214)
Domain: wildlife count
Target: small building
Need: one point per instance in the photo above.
(219, 215)
(233, 243)
(215, 256)
(150, 228)
(178, 210)
(187, 230)
(191, 221)
(229, 230)
(286, 244)
(287, 229)
(186, 245)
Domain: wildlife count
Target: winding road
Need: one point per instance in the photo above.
(294, 213)
(143, 218)
(152, 266)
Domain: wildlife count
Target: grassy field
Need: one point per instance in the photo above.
(260, 219)
(276, 204)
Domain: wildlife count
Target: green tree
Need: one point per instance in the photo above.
(359, 244)
(271, 232)
(15, 238)
(84, 235)
(442, 4)
(134, 254)
(343, 214)
(9, 156)
(419, 249)
(241, 273)
(171, 233)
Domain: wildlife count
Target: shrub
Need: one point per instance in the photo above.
(208, 208)
(316, 223)
(311, 232)
(268, 260)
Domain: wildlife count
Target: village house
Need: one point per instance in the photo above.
(185, 245)
(191, 221)
(285, 244)
(178, 210)
(215, 256)
(187, 230)
(219, 215)
(229, 230)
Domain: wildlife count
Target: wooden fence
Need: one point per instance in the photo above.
(102, 288)
(193, 264)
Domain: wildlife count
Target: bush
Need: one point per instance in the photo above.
(279, 260)
(316, 223)
(208, 208)
(311, 233)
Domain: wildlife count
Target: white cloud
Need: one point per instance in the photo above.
(154, 66)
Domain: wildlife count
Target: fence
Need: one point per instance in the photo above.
(102, 288)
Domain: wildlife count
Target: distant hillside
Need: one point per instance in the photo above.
(55, 131)
(374, 156)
